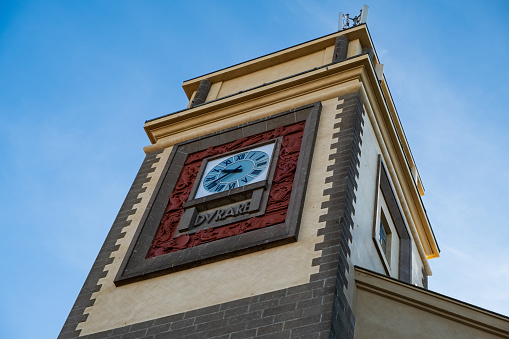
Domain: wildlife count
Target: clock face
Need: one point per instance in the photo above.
(235, 170)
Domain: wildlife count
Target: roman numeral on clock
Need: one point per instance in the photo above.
(240, 156)
(246, 179)
(227, 162)
(252, 154)
(219, 188)
(211, 185)
(256, 172)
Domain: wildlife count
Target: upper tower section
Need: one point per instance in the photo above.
(322, 68)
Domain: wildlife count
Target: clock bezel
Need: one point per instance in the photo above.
(270, 171)
(263, 152)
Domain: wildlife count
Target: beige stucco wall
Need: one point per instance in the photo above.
(223, 281)
(280, 71)
(379, 317)
(391, 310)
(354, 48)
(273, 73)
(417, 266)
(363, 250)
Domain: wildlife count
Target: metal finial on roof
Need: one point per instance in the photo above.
(344, 19)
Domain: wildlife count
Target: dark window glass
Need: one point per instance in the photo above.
(383, 237)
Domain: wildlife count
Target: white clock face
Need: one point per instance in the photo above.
(235, 170)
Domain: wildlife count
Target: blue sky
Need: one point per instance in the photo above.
(79, 78)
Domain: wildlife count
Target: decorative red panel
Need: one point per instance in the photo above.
(277, 205)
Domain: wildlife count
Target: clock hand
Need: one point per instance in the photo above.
(232, 171)
(229, 172)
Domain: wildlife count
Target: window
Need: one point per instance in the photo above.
(384, 237)
(387, 238)
(390, 233)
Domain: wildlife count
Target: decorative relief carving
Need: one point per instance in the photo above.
(183, 188)
(279, 196)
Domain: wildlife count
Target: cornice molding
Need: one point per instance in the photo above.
(324, 83)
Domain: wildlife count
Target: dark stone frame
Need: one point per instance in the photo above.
(136, 266)
(384, 187)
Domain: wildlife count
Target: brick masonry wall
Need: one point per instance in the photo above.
(315, 310)
(339, 222)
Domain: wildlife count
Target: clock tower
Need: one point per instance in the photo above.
(283, 202)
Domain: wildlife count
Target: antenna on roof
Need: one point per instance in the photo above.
(344, 19)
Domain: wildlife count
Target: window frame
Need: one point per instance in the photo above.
(385, 191)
